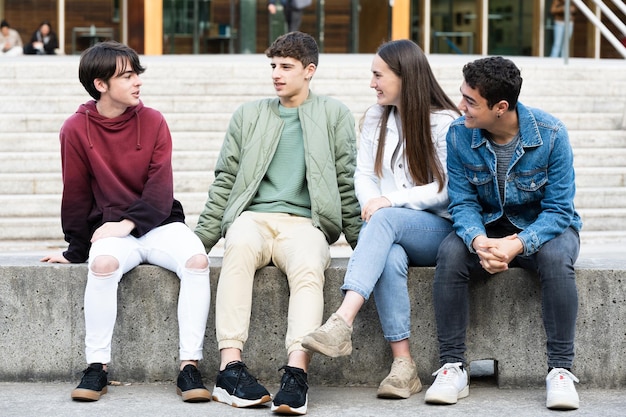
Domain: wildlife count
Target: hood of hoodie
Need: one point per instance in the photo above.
(111, 125)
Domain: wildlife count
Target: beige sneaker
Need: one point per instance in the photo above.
(402, 381)
(333, 338)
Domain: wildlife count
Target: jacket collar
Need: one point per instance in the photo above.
(529, 131)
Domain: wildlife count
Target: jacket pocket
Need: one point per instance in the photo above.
(530, 184)
(480, 177)
(531, 180)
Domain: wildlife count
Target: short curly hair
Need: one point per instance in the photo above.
(496, 78)
(297, 45)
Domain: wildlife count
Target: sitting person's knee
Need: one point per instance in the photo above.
(198, 262)
(104, 265)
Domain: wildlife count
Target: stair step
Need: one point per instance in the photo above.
(19, 162)
(599, 157)
(597, 139)
(594, 176)
(199, 101)
(600, 197)
(41, 141)
(603, 219)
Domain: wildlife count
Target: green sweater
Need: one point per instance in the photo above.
(284, 188)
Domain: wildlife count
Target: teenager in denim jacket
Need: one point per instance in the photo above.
(511, 189)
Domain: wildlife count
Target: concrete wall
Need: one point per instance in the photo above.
(42, 326)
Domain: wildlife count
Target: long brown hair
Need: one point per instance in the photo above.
(420, 95)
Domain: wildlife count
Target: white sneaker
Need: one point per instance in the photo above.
(561, 393)
(451, 385)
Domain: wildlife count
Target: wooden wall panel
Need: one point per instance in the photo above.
(26, 15)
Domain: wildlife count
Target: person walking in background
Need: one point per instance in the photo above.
(401, 185)
(118, 211)
(10, 40)
(283, 192)
(43, 42)
(511, 187)
(557, 9)
(293, 11)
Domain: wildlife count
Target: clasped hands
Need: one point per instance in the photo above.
(496, 253)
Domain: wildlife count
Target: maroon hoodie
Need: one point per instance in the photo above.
(115, 169)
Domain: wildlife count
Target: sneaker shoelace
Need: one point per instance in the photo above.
(91, 376)
(562, 379)
(446, 373)
(293, 381)
(330, 325)
(243, 376)
(399, 367)
(193, 375)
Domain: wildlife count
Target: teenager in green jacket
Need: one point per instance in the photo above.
(283, 192)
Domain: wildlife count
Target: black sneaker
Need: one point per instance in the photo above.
(235, 386)
(292, 397)
(92, 385)
(190, 387)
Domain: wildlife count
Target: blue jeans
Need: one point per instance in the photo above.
(553, 263)
(559, 36)
(393, 238)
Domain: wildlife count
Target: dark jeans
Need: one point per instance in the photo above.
(293, 17)
(553, 263)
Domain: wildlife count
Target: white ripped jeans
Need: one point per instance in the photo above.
(169, 246)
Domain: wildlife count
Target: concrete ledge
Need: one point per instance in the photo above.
(42, 326)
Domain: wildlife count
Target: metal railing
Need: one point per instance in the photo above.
(613, 40)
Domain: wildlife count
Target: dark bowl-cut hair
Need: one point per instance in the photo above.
(101, 62)
(297, 45)
(496, 78)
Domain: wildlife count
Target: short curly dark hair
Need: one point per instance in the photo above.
(496, 78)
(297, 45)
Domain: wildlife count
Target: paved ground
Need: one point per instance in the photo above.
(152, 400)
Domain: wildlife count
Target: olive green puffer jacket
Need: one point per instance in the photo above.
(251, 140)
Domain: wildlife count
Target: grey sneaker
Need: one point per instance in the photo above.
(333, 338)
(561, 393)
(402, 381)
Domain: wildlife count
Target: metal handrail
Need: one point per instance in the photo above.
(612, 17)
(620, 5)
(596, 22)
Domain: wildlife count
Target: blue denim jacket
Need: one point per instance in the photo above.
(540, 187)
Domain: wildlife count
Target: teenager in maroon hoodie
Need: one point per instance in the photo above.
(118, 211)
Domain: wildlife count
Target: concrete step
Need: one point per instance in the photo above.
(49, 141)
(31, 228)
(51, 123)
(597, 138)
(600, 176)
(175, 102)
(597, 157)
(600, 197)
(13, 185)
(37, 223)
(50, 162)
(603, 219)
(199, 100)
(191, 189)
(218, 122)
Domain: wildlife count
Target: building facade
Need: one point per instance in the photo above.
(485, 27)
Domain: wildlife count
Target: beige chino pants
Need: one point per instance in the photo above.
(292, 244)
